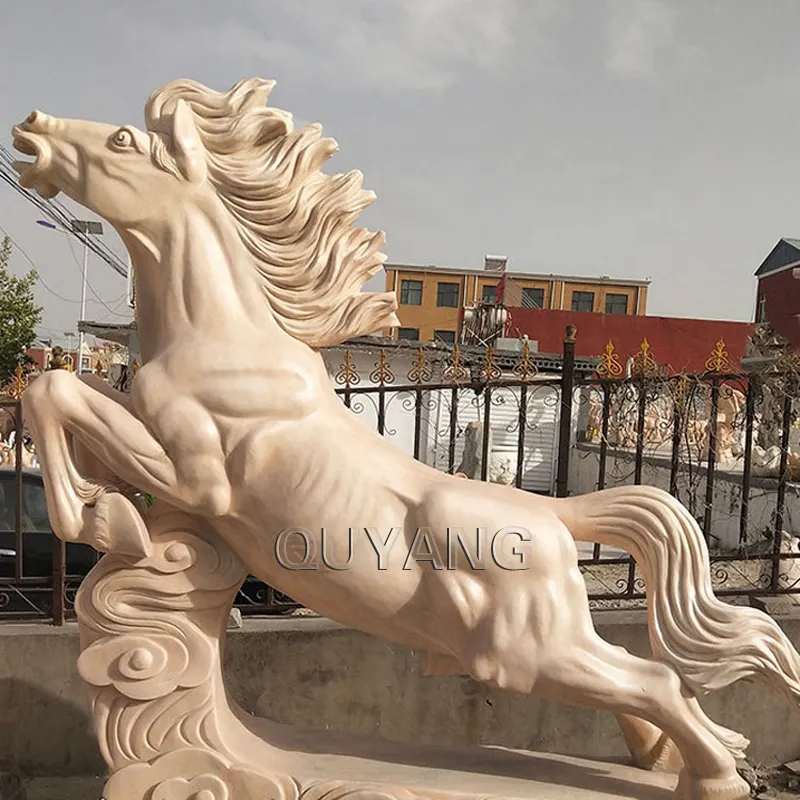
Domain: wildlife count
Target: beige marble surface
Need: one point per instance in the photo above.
(457, 773)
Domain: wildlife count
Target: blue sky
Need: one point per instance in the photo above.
(631, 138)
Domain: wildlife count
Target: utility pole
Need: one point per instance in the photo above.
(81, 334)
(87, 228)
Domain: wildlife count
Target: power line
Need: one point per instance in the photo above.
(39, 277)
(59, 213)
(88, 282)
(116, 302)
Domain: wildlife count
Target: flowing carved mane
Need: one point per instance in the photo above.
(296, 221)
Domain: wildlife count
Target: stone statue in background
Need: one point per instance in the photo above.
(246, 261)
(730, 423)
(8, 452)
(57, 359)
(473, 449)
(594, 421)
(502, 468)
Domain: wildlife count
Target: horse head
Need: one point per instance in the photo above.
(251, 174)
(117, 172)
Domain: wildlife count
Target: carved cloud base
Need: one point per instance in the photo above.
(151, 637)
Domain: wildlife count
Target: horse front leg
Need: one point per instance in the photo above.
(60, 406)
(66, 489)
(84, 496)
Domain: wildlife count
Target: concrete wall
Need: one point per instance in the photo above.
(727, 503)
(315, 674)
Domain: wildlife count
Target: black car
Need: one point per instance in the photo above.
(37, 535)
(38, 542)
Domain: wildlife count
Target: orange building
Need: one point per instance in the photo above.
(431, 299)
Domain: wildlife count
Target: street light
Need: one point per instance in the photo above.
(87, 228)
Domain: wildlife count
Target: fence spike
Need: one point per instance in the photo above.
(609, 366)
(489, 370)
(382, 373)
(643, 362)
(421, 371)
(18, 384)
(719, 360)
(525, 368)
(455, 371)
(347, 375)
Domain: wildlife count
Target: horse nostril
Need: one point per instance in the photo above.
(37, 121)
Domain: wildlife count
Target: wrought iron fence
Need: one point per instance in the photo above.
(720, 441)
(724, 443)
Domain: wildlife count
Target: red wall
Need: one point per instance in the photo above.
(39, 356)
(782, 293)
(683, 344)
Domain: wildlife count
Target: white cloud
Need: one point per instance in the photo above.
(638, 31)
(390, 45)
(410, 45)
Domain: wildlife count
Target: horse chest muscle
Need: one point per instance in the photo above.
(223, 390)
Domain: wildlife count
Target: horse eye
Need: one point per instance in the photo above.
(122, 139)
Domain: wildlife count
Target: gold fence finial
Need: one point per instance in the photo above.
(454, 371)
(679, 390)
(489, 370)
(18, 383)
(525, 367)
(609, 366)
(719, 360)
(421, 371)
(347, 374)
(382, 373)
(643, 362)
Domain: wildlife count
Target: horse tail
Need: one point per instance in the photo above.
(712, 644)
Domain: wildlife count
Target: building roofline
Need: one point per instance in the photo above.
(761, 271)
(441, 270)
(793, 266)
(118, 332)
(581, 315)
(471, 354)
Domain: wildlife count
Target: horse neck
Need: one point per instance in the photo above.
(195, 279)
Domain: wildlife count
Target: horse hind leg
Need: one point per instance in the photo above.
(595, 674)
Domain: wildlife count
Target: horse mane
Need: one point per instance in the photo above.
(296, 222)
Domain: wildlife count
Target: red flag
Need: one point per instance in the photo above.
(500, 290)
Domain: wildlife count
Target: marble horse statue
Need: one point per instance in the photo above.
(246, 262)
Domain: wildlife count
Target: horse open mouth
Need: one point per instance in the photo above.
(32, 173)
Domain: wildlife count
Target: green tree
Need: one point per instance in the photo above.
(19, 315)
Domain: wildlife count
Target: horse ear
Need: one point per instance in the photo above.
(188, 148)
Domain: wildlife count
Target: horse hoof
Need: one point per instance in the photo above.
(732, 788)
(119, 528)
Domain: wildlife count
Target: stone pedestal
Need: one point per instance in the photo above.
(151, 639)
